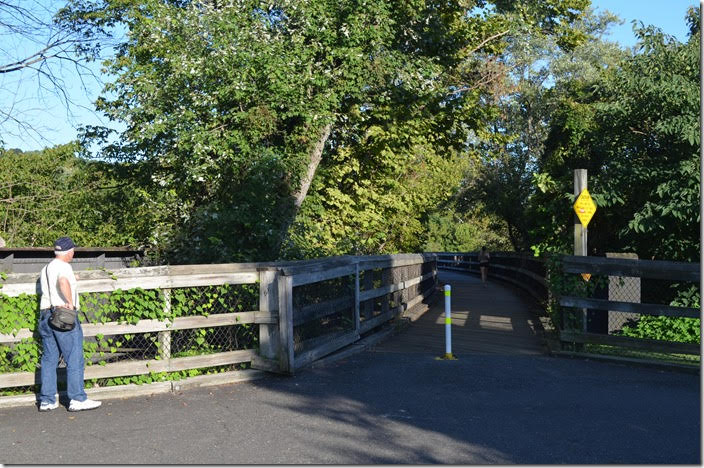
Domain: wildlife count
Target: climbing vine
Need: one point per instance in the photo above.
(130, 307)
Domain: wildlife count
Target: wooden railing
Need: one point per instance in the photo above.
(301, 316)
(523, 270)
(529, 273)
(616, 269)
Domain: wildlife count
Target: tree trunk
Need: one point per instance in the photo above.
(316, 155)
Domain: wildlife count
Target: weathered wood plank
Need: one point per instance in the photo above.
(286, 356)
(392, 262)
(381, 291)
(262, 363)
(379, 319)
(107, 283)
(630, 342)
(324, 349)
(268, 306)
(645, 309)
(356, 299)
(121, 369)
(317, 276)
(265, 317)
(420, 297)
(151, 325)
(656, 269)
(522, 272)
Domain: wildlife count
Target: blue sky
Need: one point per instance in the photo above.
(57, 126)
(665, 14)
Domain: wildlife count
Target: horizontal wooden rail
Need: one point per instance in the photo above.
(321, 309)
(151, 325)
(374, 322)
(276, 316)
(618, 267)
(130, 278)
(328, 346)
(656, 269)
(497, 270)
(630, 342)
(646, 309)
(119, 369)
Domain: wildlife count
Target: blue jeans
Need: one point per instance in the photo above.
(70, 345)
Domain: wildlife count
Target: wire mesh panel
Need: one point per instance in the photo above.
(330, 313)
(323, 311)
(158, 334)
(641, 317)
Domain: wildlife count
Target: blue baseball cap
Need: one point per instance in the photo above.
(63, 245)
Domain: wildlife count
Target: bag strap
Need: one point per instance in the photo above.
(48, 285)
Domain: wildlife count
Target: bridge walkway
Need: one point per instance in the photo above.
(491, 319)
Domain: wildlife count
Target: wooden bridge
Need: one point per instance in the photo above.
(237, 321)
(491, 319)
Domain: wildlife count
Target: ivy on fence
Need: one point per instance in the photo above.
(129, 307)
(676, 329)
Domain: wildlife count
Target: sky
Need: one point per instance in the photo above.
(58, 126)
(668, 15)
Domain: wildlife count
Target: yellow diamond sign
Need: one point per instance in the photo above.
(584, 207)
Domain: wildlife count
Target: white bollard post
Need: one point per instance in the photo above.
(448, 323)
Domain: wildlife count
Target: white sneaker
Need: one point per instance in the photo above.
(86, 404)
(44, 406)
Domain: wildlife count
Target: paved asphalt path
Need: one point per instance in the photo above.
(378, 408)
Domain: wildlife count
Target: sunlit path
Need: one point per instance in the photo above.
(495, 319)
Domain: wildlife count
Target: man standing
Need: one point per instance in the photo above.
(58, 285)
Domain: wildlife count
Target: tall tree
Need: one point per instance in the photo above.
(543, 70)
(233, 106)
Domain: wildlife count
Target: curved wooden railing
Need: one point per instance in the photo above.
(523, 270)
(579, 315)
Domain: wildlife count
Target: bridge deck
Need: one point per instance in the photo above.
(495, 319)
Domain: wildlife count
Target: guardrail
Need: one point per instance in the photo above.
(523, 270)
(291, 313)
(608, 305)
(657, 296)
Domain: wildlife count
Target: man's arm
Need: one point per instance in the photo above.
(65, 288)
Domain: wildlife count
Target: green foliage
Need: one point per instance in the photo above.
(680, 329)
(512, 182)
(51, 193)
(683, 329)
(452, 232)
(228, 105)
(17, 313)
(635, 129)
(565, 284)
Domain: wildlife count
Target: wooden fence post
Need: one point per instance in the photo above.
(368, 306)
(268, 304)
(165, 336)
(285, 287)
(356, 297)
(580, 233)
(386, 279)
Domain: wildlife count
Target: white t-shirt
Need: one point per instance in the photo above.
(54, 270)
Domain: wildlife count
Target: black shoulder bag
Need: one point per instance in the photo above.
(62, 318)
